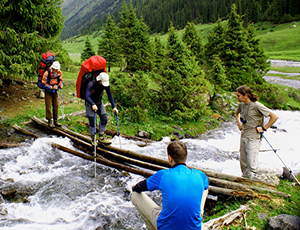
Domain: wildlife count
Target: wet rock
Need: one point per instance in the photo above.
(188, 136)
(177, 135)
(143, 134)
(287, 222)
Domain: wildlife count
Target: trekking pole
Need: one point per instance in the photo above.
(118, 129)
(95, 146)
(280, 159)
(62, 106)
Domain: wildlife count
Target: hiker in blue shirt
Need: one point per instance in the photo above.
(184, 192)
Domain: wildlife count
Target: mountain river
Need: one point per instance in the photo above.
(66, 195)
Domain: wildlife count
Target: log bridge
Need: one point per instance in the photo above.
(129, 161)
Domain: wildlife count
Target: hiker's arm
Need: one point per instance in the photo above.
(60, 84)
(238, 121)
(110, 97)
(273, 118)
(140, 187)
(44, 81)
(88, 93)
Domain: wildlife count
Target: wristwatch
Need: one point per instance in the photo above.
(264, 128)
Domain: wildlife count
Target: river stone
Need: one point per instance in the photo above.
(286, 222)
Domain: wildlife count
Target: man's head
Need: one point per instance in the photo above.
(103, 79)
(55, 66)
(177, 151)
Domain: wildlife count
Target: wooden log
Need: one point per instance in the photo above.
(166, 164)
(102, 160)
(6, 145)
(122, 159)
(24, 131)
(148, 159)
(238, 186)
(101, 151)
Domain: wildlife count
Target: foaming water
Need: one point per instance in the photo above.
(62, 192)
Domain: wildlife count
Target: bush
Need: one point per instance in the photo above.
(271, 95)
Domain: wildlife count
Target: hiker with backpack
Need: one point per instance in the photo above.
(52, 81)
(93, 104)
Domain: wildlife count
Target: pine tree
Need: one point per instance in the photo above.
(215, 42)
(217, 76)
(27, 29)
(193, 42)
(258, 60)
(108, 45)
(88, 50)
(182, 83)
(134, 40)
(159, 52)
(236, 52)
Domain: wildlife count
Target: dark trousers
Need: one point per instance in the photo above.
(91, 116)
(51, 100)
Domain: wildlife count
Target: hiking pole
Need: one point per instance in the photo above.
(62, 106)
(118, 129)
(280, 159)
(95, 146)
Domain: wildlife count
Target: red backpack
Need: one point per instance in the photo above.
(46, 61)
(94, 64)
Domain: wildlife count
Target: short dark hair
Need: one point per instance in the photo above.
(177, 150)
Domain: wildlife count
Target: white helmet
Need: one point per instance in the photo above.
(55, 65)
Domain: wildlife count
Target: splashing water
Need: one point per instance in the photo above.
(62, 192)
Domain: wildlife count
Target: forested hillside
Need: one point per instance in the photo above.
(87, 16)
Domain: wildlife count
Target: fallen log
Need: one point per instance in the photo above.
(122, 159)
(24, 131)
(85, 141)
(243, 187)
(148, 159)
(102, 160)
(6, 145)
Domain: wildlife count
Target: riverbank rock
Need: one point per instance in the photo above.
(286, 222)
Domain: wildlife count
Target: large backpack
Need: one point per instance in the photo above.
(92, 66)
(46, 61)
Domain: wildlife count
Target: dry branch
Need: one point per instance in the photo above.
(223, 221)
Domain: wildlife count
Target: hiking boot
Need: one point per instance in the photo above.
(102, 140)
(287, 174)
(50, 124)
(93, 140)
(56, 123)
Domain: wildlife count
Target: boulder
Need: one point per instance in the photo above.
(286, 222)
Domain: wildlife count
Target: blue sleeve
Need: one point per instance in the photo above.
(88, 93)
(153, 182)
(110, 97)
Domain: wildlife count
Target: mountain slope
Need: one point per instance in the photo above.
(79, 13)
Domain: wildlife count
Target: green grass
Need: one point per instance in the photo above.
(286, 69)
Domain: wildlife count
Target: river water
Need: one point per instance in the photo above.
(66, 195)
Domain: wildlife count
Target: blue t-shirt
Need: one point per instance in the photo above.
(182, 190)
